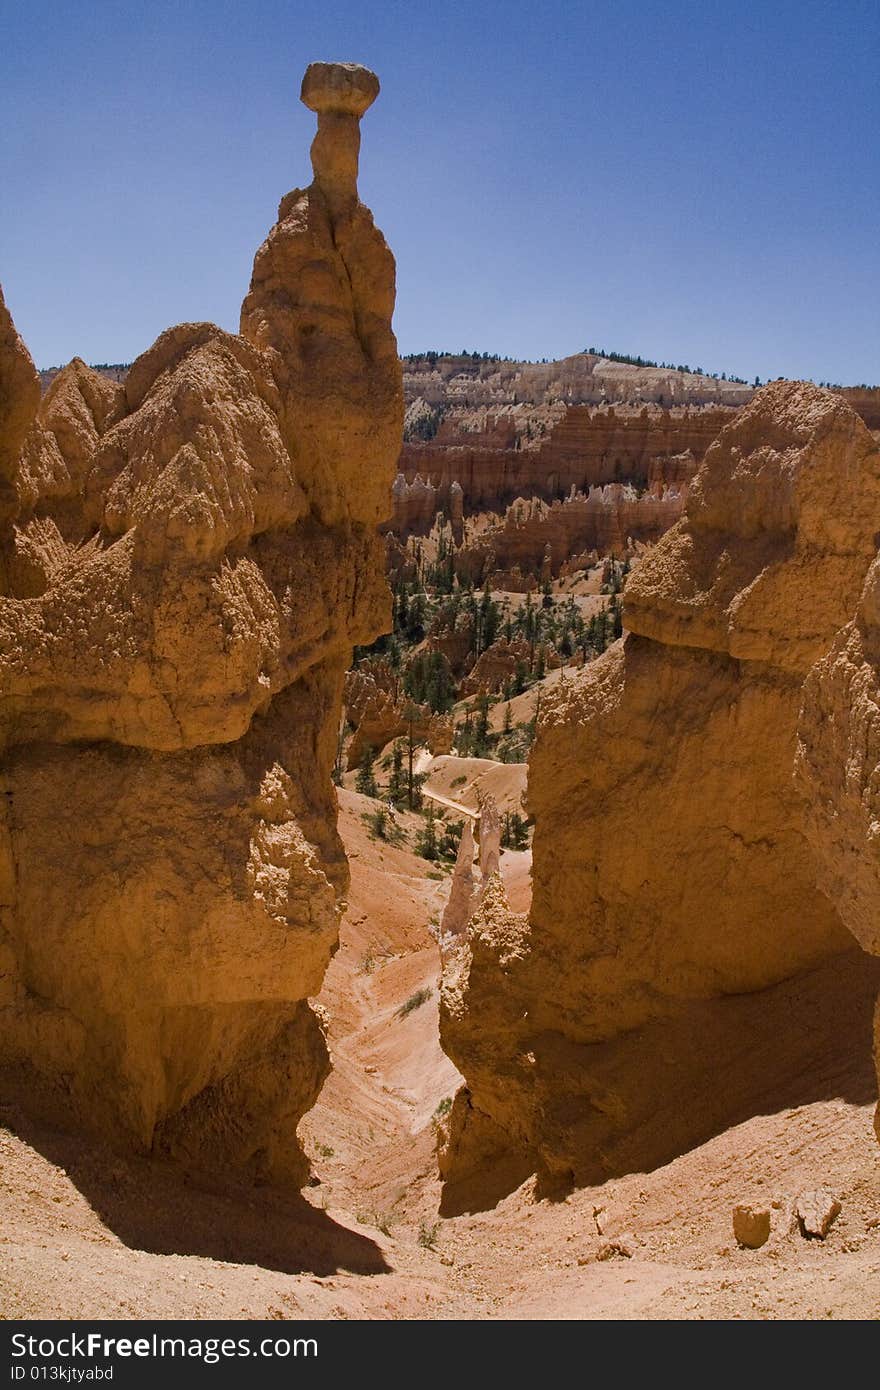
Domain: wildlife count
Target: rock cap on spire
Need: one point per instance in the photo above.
(342, 88)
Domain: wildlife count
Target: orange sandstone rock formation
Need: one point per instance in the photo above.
(674, 866)
(541, 538)
(465, 895)
(460, 903)
(498, 664)
(585, 378)
(865, 401)
(19, 398)
(381, 713)
(186, 560)
(477, 462)
(838, 770)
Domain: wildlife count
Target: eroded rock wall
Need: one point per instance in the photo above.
(674, 868)
(186, 562)
(537, 537)
(497, 665)
(838, 772)
(584, 378)
(492, 461)
(381, 713)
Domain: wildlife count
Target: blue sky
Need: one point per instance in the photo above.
(695, 182)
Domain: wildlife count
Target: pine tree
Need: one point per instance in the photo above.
(337, 763)
(401, 609)
(410, 714)
(415, 618)
(514, 831)
(365, 782)
(488, 619)
(377, 821)
(397, 785)
(426, 840)
(481, 727)
(448, 847)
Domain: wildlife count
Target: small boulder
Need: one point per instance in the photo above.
(751, 1225)
(816, 1212)
(621, 1247)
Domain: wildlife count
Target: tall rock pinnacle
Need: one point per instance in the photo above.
(186, 561)
(680, 872)
(322, 296)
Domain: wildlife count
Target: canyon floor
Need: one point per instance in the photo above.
(88, 1234)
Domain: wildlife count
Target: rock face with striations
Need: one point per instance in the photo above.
(838, 770)
(674, 867)
(537, 537)
(479, 462)
(186, 560)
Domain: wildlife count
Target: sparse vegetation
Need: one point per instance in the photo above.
(428, 1235)
(381, 1222)
(368, 963)
(382, 824)
(415, 1001)
(373, 958)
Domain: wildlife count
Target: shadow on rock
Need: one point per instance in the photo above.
(155, 1206)
(638, 1101)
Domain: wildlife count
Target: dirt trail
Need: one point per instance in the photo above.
(85, 1233)
(452, 805)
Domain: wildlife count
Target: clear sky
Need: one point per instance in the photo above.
(697, 182)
